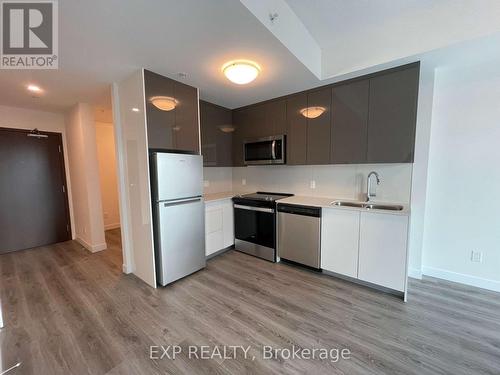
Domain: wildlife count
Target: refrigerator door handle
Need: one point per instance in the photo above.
(181, 201)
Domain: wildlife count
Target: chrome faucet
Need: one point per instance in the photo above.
(369, 185)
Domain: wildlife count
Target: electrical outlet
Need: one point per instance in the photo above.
(243, 181)
(312, 185)
(476, 256)
(206, 183)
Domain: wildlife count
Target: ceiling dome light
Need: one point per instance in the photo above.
(312, 112)
(241, 72)
(164, 103)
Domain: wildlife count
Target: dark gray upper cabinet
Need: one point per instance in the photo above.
(242, 124)
(350, 122)
(392, 116)
(216, 137)
(160, 124)
(319, 128)
(369, 119)
(177, 129)
(275, 117)
(296, 130)
(256, 122)
(186, 130)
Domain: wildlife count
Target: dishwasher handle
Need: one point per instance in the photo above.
(299, 210)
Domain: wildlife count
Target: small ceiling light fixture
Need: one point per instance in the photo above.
(135, 109)
(312, 112)
(241, 72)
(164, 103)
(226, 128)
(34, 88)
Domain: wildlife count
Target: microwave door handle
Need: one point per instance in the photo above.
(273, 150)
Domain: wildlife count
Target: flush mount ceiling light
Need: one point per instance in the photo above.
(226, 128)
(34, 88)
(135, 109)
(241, 72)
(164, 103)
(312, 112)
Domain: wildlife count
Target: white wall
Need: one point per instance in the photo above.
(134, 184)
(463, 209)
(107, 174)
(336, 181)
(84, 172)
(420, 168)
(20, 118)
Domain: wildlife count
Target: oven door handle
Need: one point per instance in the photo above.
(273, 150)
(250, 208)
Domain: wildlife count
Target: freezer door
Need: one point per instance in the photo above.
(178, 176)
(181, 228)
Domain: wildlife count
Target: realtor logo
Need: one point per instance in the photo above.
(29, 34)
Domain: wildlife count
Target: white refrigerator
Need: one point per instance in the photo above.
(179, 214)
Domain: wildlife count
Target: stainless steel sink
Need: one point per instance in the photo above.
(368, 206)
(347, 204)
(389, 207)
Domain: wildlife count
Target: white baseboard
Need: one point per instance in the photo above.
(112, 226)
(125, 269)
(415, 273)
(462, 278)
(92, 248)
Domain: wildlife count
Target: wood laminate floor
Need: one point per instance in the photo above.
(66, 311)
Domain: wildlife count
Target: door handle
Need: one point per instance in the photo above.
(250, 208)
(273, 150)
(181, 201)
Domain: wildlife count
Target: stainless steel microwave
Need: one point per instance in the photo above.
(268, 150)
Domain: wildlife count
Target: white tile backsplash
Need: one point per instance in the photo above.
(217, 179)
(336, 181)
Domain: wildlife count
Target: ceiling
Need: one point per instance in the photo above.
(358, 34)
(101, 42)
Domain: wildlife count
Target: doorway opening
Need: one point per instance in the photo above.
(108, 177)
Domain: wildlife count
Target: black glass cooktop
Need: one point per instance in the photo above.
(262, 198)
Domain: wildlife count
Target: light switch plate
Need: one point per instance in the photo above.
(312, 185)
(243, 181)
(206, 183)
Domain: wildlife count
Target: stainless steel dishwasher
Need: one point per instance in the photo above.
(299, 234)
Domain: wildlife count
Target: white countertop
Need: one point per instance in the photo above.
(219, 196)
(212, 197)
(325, 202)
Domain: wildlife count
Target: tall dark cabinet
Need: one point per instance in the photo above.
(350, 122)
(319, 128)
(216, 135)
(275, 117)
(175, 129)
(296, 130)
(392, 116)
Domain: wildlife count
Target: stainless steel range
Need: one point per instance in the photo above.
(255, 223)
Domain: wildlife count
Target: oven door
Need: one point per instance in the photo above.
(255, 231)
(270, 150)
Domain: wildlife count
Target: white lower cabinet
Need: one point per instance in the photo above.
(340, 241)
(369, 246)
(382, 249)
(219, 225)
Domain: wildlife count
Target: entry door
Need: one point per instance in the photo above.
(33, 194)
